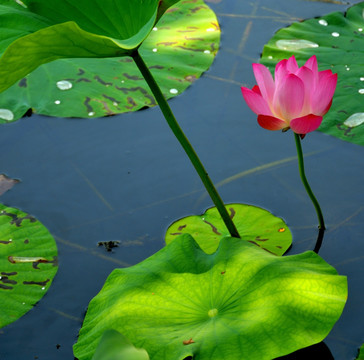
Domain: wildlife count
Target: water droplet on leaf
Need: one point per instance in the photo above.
(57, 102)
(335, 34)
(155, 29)
(64, 85)
(361, 91)
(207, 52)
(360, 29)
(173, 91)
(354, 120)
(6, 114)
(295, 44)
(362, 78)
(155, 50)
(43, 288)
(91, 113)
(210, 29)
(323, 22)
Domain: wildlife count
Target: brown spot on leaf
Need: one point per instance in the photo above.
(45, 261)
(5, 287)
(189, 49)
(83, 80)
(17, 220)
(269, 251)
(80, 72)
(159, 67)
(114, 101)
(188, 342)
(131, 102)
(23, 83)
(259, 239)
(26, 241)
(87, 104)
(97, 78)
(232, 213)
(9, 273)
(177, 233)
(214, 229)
(193, 39)
(198, 8)
(105, 106)
(180, 228)
(167, 43)
(190, 78)
(132, 77)
(223, 272)
(5, 242)
(40, 283)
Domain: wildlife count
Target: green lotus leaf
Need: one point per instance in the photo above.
(115, 346)
(28, 263)
(187, 36)
(238, 303)
(338, 42)
(80, 29)
(254, 224)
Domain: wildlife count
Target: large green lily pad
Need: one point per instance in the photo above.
(338, 42)
(181, 46)
(254, 224)
(28, 263)
(240, 303)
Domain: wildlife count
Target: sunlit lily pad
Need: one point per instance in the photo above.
(238, 303)
(254, 224)
(337, 40)
(115, 346)
(181, 46)
(28, 263)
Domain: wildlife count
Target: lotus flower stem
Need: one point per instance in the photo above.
(310, 193)
(181, 137)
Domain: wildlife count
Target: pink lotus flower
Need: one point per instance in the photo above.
(297, 98)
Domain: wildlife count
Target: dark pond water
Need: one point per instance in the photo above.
(125, 178)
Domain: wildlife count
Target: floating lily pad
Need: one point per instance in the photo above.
(254, 224)
(28, 263)
(181, 46)
(115, 346)
(238, 303)
(338, 42)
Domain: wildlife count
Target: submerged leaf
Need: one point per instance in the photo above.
(115, 346)
(338, 42)
(254, 224)
(28, 263)
(238, 303)
(187, 36)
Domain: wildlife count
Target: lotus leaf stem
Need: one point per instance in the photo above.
(177, 131)
(316, 204)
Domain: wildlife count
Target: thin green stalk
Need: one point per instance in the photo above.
(316, 204)
(172, 122)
